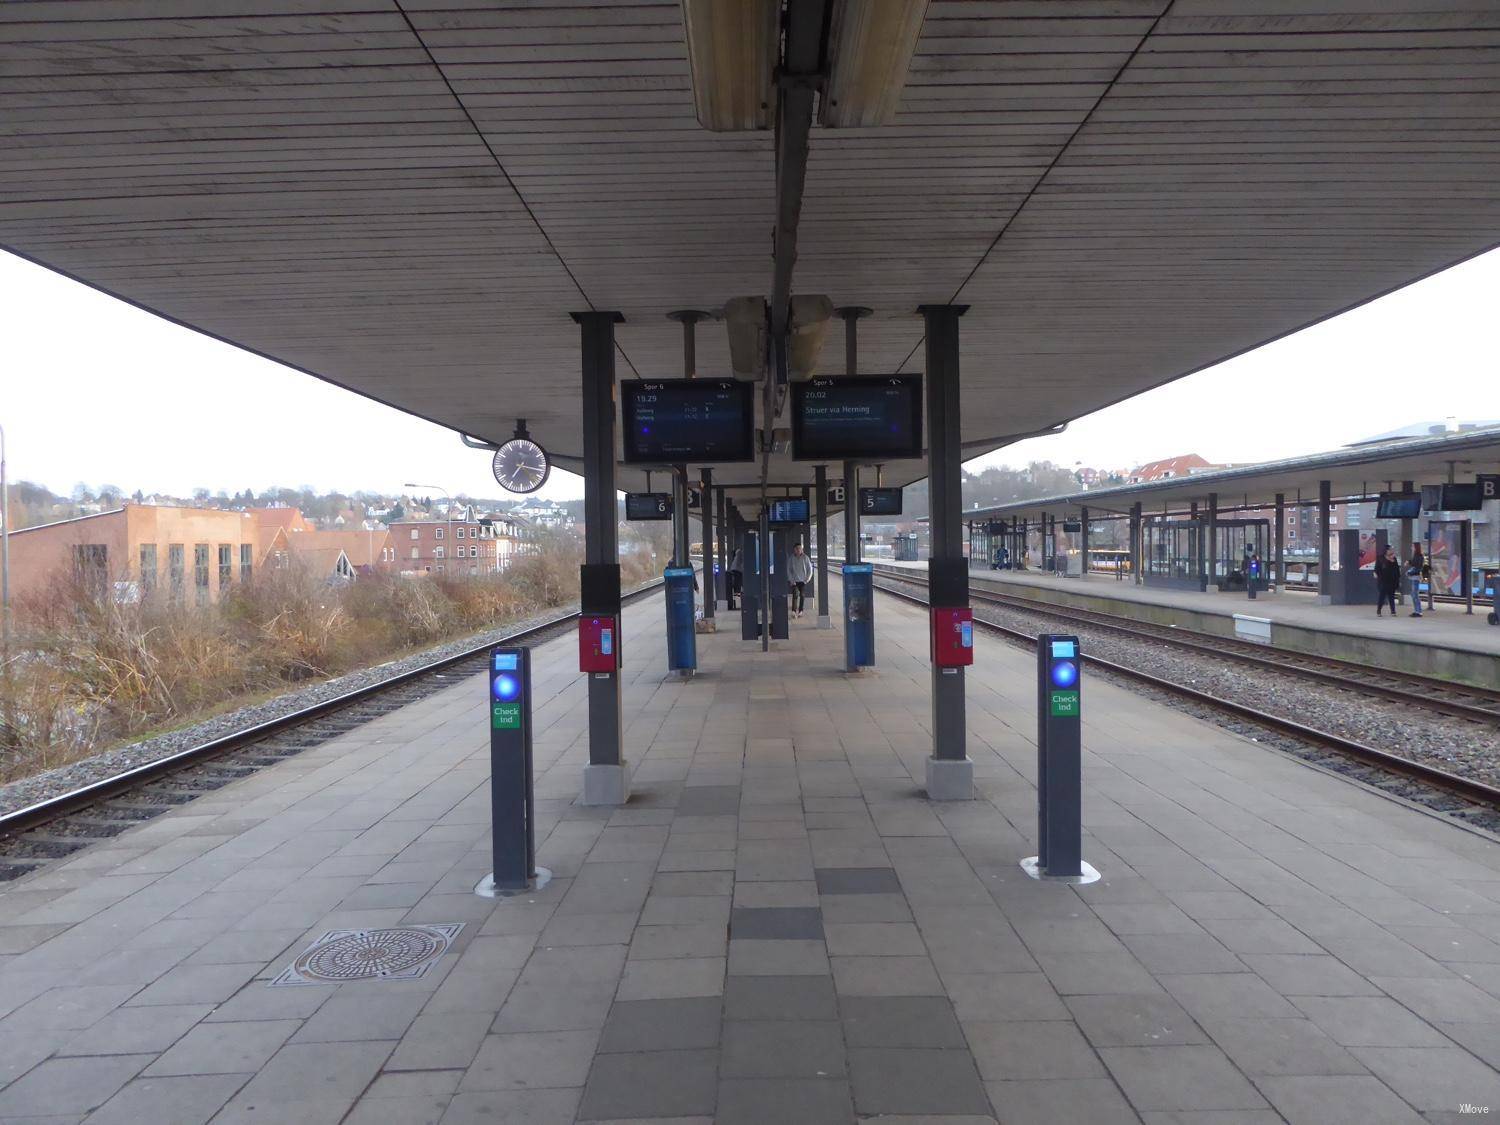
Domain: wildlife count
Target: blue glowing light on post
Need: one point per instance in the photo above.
(1064, 674)
(506, 687)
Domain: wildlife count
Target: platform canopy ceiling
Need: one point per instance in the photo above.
(409, 198)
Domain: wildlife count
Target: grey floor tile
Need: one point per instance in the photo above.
(1097, 1101)
(787, 1049)
(531, 1060)
(901, 1021)
(128, 1031)
(887, 1081)
(1337, 1101)
(781, 957)
(857, 881)
(448, 1040)
(1368, 1021)
(874, 939)
(662, 1025)
(770, 894)
(709, 800)
(1096, 974)
(183, 1100)
(674, 979)
(1134, 1020)
(512, 1107)
(651, 1084)
(1179, 1078)
(780, 998)
(776, 923)
(1209, 996)
(1261, 1047)
(785, 1101)
(362, 1013)
(885, 976)
(422, 1110)
(316, 1072)
(198, 984)
(1433, 1078)
(224, 1048)
(693, 939)
(1045, 1049)
(69, 1085)
(1303, 975)
(589, 929)
(661, 910)
(1004, 996)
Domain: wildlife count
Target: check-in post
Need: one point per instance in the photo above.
(512, 800)
(1059, 763)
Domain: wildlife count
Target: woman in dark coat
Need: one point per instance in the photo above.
(1387, 581)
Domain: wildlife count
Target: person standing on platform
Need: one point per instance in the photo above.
(1387, 581)
(1417, 572)
(799, 572)
(736, 575)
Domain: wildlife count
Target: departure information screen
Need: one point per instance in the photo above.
(648, 505)
(787, 511)
(880, 501)
(710, 420)
(875, 418)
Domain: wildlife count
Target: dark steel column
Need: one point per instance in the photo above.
(606, 780)
(1408, 533)
(680, 519)
(722, 542)
(851, 512)
(950, 773)
(1135, 543)
(1280, 540)
(706, 501)
(1213, 539)
(820, 483)
(1083, 531)
(1325, 553)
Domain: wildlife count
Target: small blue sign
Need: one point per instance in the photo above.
(966, 634)
(606, 642)
(1064, 650)
(506, 662)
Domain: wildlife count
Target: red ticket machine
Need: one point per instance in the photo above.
(952, 637)
(598, 644)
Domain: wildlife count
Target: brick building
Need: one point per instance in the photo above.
(138, 548)
(465, 546)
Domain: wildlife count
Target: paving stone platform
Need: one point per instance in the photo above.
(779, 928)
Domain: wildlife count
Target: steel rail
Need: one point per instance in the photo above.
(1336, 672)
(1475, 791)
(33, 816)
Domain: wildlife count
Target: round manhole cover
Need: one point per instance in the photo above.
(399, 953)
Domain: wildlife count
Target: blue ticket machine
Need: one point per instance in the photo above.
(512, 798)
(859, 616)
(682, 641)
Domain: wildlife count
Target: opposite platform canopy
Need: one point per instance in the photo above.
(408, 199)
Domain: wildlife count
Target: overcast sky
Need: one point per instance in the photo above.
(94, 390)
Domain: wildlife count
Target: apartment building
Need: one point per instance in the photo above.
(463, 546)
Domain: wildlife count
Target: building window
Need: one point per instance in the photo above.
(415, 534)
(226, 565)
(440, 568)
(437, 553)
(247, 561)
(175, 567)
(200, 571)
(416, 553)
(458, 533)
(91, 564)
(148, 567)
(437, 533)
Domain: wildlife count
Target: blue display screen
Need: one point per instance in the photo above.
(506, 662)
(787, 511)
(1064, 650)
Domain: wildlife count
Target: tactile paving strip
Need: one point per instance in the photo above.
(399, 953)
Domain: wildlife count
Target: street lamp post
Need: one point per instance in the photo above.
(446, 495)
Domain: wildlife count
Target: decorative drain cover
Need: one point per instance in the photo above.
(400, 953)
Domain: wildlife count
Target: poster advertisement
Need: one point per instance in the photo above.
(1367, 550)
(1446, 551)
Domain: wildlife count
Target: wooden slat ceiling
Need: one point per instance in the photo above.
(408, 200)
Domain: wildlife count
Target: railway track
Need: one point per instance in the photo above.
(1476, 792)
(51, 829)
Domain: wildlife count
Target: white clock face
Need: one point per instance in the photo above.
(521, 465)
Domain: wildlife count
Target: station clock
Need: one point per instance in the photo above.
(521, 464)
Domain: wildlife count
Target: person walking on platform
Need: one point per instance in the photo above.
(1387, 581)
(799, 572)
(1417, 572)
(736, 575)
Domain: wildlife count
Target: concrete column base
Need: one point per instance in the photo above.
(825, 622)
(605, 785)
(950, 779)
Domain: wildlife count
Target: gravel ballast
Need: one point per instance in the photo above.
(64, 779)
